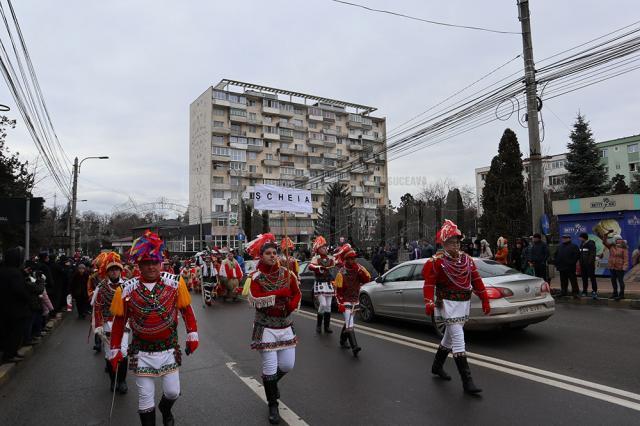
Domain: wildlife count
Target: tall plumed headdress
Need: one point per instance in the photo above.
(448, 230)
(319, 242)
(286, 243)
(262, 242)
(106, 260)
(148, 247)
(343, 252)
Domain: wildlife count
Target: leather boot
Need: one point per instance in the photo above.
(327, 323)
(465, 375)
(438, 363)
(122, 376)
(271, 391)
(165, 408)
(353, 342)
(343, 338)
(148, 418)
(319, 323)
(279, 375)
(111, 373)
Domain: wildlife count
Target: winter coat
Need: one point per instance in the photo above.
(538, 252)
(485, 250)
(588, 252)
(35, 285)
(14, 297)
(566, 257)
(427, 251)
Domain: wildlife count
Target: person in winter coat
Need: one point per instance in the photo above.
(14, 304)
(34, 280)
(46, 267)
(588, 265)
(80, 291)
(502, 255)
(567, 255)
(515, 255)
(538, 255)
(485, 250)
(618, 262)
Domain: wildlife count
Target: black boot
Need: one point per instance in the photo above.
(97, 343)
(327, 323)
(343, 338)
(148, 418)
(111, 373)
(465, 375)
(353, 342)
(271, 391)
(165, 408)
(122, 376)
(438, 363)
(319, 324)
(279, 375)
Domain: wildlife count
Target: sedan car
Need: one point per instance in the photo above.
(307, 279)
(517, 300)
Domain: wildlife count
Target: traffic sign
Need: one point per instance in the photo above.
(241, 237)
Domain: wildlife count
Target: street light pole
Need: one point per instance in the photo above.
(74, 199)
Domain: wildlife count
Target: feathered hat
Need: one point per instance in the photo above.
(149, 247)
(319, 242)
(262, 242)
(448, 230)
(344, 252)
(107, 260)
(286, 243)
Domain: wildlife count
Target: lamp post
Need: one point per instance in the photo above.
(74, 197)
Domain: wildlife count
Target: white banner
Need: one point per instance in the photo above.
(270, 197)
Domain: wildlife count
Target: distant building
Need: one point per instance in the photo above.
(619, 156)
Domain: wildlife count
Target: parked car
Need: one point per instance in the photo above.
(307, 279)
(517, 300)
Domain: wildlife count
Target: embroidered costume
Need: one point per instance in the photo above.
(231, 272)
(209, 277)
(351, 276)
(452, 276)
(321, 265)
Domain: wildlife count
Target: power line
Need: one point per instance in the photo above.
(428, 21)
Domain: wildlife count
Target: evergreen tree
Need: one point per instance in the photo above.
(618, 185)
(335, 219)
(503, 196)
(586, 176)
(635, 183)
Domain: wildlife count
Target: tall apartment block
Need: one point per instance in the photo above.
(244, 134)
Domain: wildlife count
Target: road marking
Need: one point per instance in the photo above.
(531, 373)
(285, 412)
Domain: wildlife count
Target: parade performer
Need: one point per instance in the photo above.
(231, 273)
(209, 275)
(151, 304)
(111, 269)
(286, 246)
(351, 276)
(323, 290)
(452, 276)
(275, 294)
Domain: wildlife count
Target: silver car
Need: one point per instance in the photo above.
(517, 300)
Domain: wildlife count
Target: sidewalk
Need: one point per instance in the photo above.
(631, 292)
(7, 370)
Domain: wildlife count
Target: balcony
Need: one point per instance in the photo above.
(317, 191)
(254, 121)
(285, 138)
(221, 186)
(330, 144)
(289, 151)
(269, 110)
(354, 147)
(238, 119)
(357, 193)
(271, 136)
(313, 117)
(331, 155)
(221, 102)
(368, 137)
(220, 130)
(316, 142)
(369, 195)
(255, 148)
(371, 183)
(317, 166)
(301, 178)
(271, 163)
(361, 170)
(220, 158)
(283, 125)
(354, 124)
(255, 175)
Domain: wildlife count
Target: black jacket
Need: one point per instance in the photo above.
(566, 257)
(588, 252)
(14, 297)
(538, 252)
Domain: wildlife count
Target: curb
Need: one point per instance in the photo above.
(620, 304)
(8, 370)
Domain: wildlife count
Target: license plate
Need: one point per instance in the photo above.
(534, 308)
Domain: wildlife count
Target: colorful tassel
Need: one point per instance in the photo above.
(338, 281)
(247, 286)
(184, 298)
(117, 305)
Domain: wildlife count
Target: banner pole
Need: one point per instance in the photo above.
(286, 245)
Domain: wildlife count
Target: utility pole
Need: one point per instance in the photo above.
(535, 158)
(74, 199)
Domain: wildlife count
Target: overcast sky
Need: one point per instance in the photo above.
(119, 76)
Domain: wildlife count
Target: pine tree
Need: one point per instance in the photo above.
(503, 196)
(618, 185)
(586, 176)
(635, 184)
(335, 219)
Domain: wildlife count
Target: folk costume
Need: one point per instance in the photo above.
(209, 277)
(321, 265)
(275, 294)
(103, 319)
(152, 311)
(452, 278)
(287, 260)
(351, 276)
(231, 272)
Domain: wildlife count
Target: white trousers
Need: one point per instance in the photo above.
(282, 359)
(454, 338)
(324, 303)
(146, 389)
(349, 316)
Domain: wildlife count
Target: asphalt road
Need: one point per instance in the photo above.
(579, 367)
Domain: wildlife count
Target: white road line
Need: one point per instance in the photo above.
(285, 412)
(534, 374)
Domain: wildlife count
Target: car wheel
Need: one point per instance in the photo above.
(366, 312)
(438, 325)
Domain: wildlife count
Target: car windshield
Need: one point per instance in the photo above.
(491, 268)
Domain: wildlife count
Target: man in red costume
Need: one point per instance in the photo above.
(274, 292)
(321, 265)
(151, 304)
(350, 278)
(286, 247)
(452, 276)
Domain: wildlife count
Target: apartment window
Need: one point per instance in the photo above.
(299, 172)
(237, 99)
(339, 152)
(218, 112)
(220, 95)
(315, 111)
(286, 132)
(329, 162)
(236, 128)
(254, 141)
(330, 138)
(313, 125)
(377, 179)
(251, 102)
(219, 208)
(314, 149)
(556, 180)
(270, 129)
(338, 129)
(253, 169)
(328, 114)
(633, 167)
(617, 166)
(287, 170)
(299, 147)
(218, 124)
(299, 135)
(315, 160)
(238, 139)
(298, 111)
(220, 222)
(235, 181)
(252, 155)
(217, 179)
(378, 190)
(220, 150)
(253, 129)
(316, 136)
(269, 170)
(238, 112)
(234, 165)
(269, 156)
(217, 140)
(376, 135)
(267, 120)
(218, 194)
(238, 155)
(632, 148)
(271, 103)
(356, 118)
(326, 126)
(253, 116)
(286, 107)
(297, 122)
(483, 176)
(284, 158)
